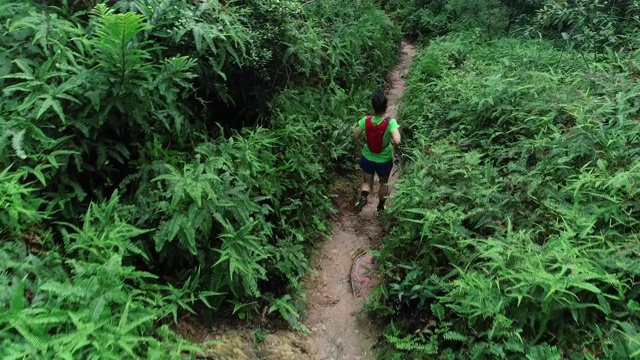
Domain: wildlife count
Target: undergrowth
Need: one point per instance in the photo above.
(162, 157)
(516, 231)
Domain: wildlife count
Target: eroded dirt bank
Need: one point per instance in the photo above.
(338, 331)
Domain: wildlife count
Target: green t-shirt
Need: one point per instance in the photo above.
(387, 153)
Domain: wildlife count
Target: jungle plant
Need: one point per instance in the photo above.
(91, 303)
(521, 201)
(137, 165)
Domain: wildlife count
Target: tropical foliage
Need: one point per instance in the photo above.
(164, 157)
(521, 198)
(160, 157)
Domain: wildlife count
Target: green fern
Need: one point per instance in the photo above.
(83, 309)
(128, 93)
(454, 336)
(412, 345)
(115, 41)
(17, 138)
(288, 312)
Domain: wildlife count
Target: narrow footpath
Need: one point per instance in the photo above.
(339, 331)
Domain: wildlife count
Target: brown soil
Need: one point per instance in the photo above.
(338, 329)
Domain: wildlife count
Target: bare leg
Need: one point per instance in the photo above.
(367, 186)
(367, 182)
(384, 188)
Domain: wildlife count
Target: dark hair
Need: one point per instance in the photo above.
(379, 102)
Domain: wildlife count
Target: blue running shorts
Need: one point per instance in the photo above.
(370, 167)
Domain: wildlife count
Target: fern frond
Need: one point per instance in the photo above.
(36, 340)
(17, 139)
(115, 40)
(454, 336)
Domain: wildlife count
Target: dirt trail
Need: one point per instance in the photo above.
(338, 330)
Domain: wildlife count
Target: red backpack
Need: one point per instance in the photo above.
(375, 134)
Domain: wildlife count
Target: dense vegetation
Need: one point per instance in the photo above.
(159, 157)
(522, 120)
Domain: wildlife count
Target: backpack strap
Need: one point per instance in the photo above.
(368, 122)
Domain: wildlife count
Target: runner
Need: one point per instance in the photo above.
(377, 155)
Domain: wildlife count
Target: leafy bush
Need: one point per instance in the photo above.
(89, 303)
(521, 201)
(592, 25)
(81, 103)
(425, 19)
(141, 115)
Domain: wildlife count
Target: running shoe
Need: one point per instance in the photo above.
(360, 203)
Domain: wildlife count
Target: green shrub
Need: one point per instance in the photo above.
(425, 19)
(88, 303)
(520, 200)
(216, 128)
(591, 25)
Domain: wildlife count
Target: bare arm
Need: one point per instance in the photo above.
(357, 132)
(395, 137)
